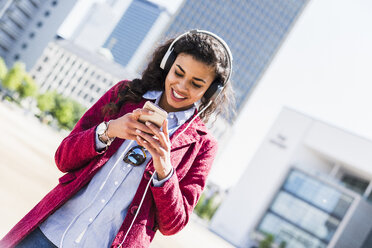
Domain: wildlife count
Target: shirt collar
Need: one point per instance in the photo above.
(181, 116)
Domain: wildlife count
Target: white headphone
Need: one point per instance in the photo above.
(217, 86)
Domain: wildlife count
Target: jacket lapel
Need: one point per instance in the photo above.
(190, 135)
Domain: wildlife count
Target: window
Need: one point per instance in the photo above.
(369, 198)
(368, 241)
(354, 183)
(47, 13)
(16, 57)
(31, 35)
(39, 24)
(306, 212)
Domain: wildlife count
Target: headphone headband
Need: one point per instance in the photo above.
(170, 53)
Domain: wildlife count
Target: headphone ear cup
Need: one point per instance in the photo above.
(168, 60)
(213, 91)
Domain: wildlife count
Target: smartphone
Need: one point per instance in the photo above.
(157, 117)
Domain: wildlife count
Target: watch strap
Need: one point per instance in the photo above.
(104, 138)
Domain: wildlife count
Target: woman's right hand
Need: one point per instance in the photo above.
(125, 126)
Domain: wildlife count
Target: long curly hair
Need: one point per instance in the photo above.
(200, 46)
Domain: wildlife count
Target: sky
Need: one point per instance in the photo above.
(323, 70)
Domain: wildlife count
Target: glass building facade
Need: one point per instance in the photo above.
(253, 29)
(132, 29)
(306, 212)
(27, 26)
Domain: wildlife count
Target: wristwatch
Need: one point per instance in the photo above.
(102, 133)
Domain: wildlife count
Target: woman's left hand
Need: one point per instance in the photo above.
(159, 147)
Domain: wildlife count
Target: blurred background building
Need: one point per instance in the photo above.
(27, 26)
(136, 32)
(309, 185)
(98, 23)
(75, 72)
(254, 31)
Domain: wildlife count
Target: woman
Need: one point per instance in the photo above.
(126, 179)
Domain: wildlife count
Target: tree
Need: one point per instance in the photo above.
(200, 203)
(46, 102)
(28, 87)
(3, 69)
(267, 242)
(78, 112)
(63, 111)
(282, 244)
(66, 111)
(206, 207)
(14, 77)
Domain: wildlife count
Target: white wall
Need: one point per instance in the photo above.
(295, 140)
(248, 200)
(351, 151)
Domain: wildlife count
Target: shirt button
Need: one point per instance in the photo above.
(90, 220)
(103, 200)
(116, 182)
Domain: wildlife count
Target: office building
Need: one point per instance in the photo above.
(27, 26)
(254, 31)
(309, 185)
(136, 32)
(98, 23)
(77, 73)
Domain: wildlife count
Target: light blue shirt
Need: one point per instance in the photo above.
(93, 216)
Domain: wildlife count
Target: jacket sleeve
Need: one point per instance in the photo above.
(78, 148)
(176, 200)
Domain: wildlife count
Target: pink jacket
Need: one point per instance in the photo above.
(166, 208)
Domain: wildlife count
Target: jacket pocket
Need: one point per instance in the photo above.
(70, 176)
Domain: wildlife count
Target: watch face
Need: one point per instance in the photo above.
(101, 128)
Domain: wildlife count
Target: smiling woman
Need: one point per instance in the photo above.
(186, 83)
(127, 179)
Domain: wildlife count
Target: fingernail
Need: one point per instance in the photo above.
(151, 112)
(148, 123)
(138, 131)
